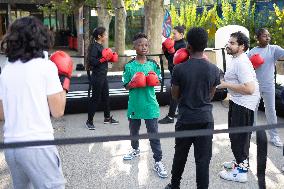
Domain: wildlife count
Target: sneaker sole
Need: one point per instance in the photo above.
(277, 145)
(161, 176)
(132, 157)
(235, 180)
(111, 123)
(89, 128)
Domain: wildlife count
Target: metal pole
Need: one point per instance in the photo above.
(56, 20)
(9, 14)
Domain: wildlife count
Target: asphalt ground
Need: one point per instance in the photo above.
(101, 165)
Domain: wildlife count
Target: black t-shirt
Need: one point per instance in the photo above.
(195, 79)
(178, 45)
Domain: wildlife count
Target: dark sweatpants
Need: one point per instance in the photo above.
(173, 104)
(152, 127)
(240, 116)
(100, 93)
(202, 154)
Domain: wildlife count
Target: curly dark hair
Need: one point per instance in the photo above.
(242, 39)
(139, 36)
(197, 38)
(26, 39)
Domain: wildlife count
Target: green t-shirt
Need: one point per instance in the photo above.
(142, 103)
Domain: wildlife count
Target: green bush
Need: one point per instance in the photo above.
(243, 14)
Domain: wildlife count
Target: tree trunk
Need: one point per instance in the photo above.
(104, 16)
(79, 37)
(86, 31)
(120, 19)
(154, 14)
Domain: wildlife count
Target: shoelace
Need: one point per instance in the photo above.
(112, 120)
(162, 166)
(134, 152)
(277, 139)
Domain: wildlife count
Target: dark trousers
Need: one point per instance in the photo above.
(202, 154)
(100, 93)
(173, 107)
(240, 116)
(173, 104)
(152, 127)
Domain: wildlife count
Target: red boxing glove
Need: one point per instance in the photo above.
(152, 79)
(107, 55)
(168, 45)
(114, 57)
(138, 81)
(256, 61)
(64, 65)
(181, 55)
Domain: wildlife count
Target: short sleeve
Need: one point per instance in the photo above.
(175, 76)
(279, 52)
(249, 53)
(245, 72)
(217, 77)
(53, 84)
(1, 89)
(126, 77)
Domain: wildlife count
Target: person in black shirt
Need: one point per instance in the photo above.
(100, 88)
(179, 43)
(193, 85)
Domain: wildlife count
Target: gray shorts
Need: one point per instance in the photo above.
(38, 168)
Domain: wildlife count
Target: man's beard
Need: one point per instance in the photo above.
(231, 52)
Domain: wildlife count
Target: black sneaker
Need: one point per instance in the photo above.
(169, 186)
(111, 121)
(166, 120)
(90, 125)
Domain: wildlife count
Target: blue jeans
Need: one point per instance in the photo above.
(152, 127)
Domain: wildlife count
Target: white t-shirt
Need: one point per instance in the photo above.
(23, 90)
(240, 71)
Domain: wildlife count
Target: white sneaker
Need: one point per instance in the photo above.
(236, 175)
(160, 169)
(276, 141)
(229, 165)
(131, 154)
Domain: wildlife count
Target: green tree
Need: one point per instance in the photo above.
(243, 14)
(276, 28)
(187, 15)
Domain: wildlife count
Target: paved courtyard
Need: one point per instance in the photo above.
(101, 166)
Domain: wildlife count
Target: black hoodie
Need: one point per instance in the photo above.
(99, 69)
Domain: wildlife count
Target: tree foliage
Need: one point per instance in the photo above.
(188, 16)
(243, 15)
(276, 26)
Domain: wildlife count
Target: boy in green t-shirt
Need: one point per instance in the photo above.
(139, 77)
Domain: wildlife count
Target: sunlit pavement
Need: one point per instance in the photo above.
(101, 165)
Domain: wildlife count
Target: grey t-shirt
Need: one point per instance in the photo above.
(240, 71)
(265, 73)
